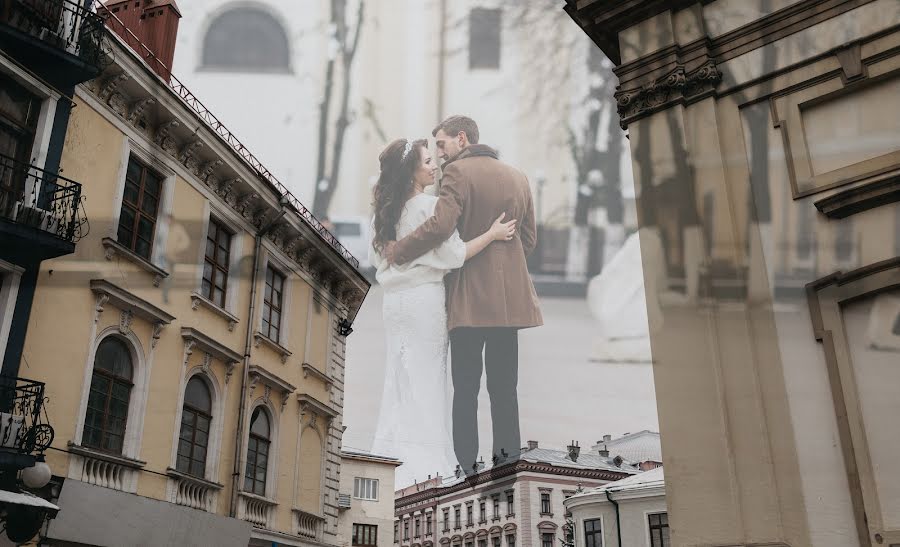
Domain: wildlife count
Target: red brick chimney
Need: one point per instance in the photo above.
(153, 22)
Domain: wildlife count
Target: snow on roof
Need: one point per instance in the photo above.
(647, 479)
(642, 446)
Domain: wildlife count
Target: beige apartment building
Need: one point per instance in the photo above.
(366, 499)
(765, 144)
(193, 344)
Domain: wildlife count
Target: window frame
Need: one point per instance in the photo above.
(446, 527)
(185, 406)
(137, 207)
(546, 503)
(651, 527)
(113, 379)
(545, 540)
(358, 527)
(269, 444)
(510, 504)
(362, 485)
(482, 14)
(265, 324)
(215, 267)
(203, 65)
(596, 532)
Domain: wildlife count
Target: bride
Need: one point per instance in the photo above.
(413, 424)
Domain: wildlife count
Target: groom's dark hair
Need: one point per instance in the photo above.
(454, 124)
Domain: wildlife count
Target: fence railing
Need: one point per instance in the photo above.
(23, 427)
(42, 199)
(64, 24)
(116, 26)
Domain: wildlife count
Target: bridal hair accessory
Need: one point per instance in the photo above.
(406, 150)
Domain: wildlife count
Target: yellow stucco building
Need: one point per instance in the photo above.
(193, 345)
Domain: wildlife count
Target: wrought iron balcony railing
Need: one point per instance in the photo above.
(23, 424)
(41, 199)
(61, 23)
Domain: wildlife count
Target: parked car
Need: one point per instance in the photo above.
(353, 233)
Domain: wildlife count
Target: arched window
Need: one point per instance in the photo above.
(258, 452)
(246, 39)
(194, 438)
(107, 408)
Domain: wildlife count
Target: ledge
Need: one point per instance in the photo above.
(125, 300)
(318, 406)
(198, 300)
(175, 474)
(309, 370)
(882, 190)
(113, 248)
(93, 453)
(272, 380)
(298, 510)
(209, 345)
(261, 499)
(272, 344)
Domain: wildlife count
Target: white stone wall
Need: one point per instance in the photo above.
(379, 513)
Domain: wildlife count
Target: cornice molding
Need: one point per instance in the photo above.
(676, 87)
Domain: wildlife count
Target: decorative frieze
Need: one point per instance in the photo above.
(137, 109)
(676, 86)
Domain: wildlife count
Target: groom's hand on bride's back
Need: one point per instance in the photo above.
(389, 251)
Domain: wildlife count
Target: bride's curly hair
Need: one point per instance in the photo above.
(394, 187)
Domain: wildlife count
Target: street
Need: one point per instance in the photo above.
(562, 395)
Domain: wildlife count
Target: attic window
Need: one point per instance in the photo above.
(246, 39)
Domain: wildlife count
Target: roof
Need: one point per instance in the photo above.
(648, 479)
(642, 446)
(586, 460)
(369, 457)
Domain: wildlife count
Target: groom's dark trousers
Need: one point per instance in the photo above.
(501, 364)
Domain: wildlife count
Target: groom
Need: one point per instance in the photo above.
(491, 297)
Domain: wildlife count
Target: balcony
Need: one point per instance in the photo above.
(58, 39)
(40, 211)
(308, 525)
(24, 430)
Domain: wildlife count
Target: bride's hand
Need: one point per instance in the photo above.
(503, 231)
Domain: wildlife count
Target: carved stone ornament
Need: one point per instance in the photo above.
(243, 204)
(207, 361)
(157, 332)
(137, 109)
(229, 370)
(290, 245)
(125, 319)
(118, 103)
(110, 86)
(163, 136)
(101, 301)
(267, 391)
(188, 152)
(225, 190)
(188, 350)
(207, 170)
(677, 84)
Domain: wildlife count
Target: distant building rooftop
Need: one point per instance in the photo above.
(642, 446)
(368, 456)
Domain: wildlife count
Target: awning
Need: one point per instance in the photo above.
(24, 498)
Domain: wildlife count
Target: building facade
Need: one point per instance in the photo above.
(46, 49)
(630, 512)
(193, 343)
(765, 144)
(366, 511)
(515, 503)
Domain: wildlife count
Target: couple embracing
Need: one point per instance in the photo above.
(451, 266)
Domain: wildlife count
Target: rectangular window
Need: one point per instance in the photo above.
(271, 320)
(510, 540)
(456, 517)
(482, 543)
(365, 489)
(593, 533)
(484, 38)
(428, 524)
(140, 206)
(365, 534)
(545, 503)
(546, 540)
(418, 527)
(496, 501)
(496, 542)
(446, 520)
(215, 264)
(396, 532)
(470, 515)
(509, 504)
(482, 512)
(405, 530)
(659, 530)
(19, 112)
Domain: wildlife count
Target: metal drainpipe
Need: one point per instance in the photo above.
(618, 522)
(242, 409)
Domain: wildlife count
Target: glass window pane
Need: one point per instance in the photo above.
(197, 395)
(151, 183)
(148, 205)
(131, 192)
(259, 423)
(142, 248)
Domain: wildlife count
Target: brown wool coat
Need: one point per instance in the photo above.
(493, 289)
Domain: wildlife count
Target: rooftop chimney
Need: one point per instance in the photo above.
(607, 438)
(532, 445)
(604, 453)
(153, 22)
(574, 450)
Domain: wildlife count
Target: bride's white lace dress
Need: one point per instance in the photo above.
(414, 419)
